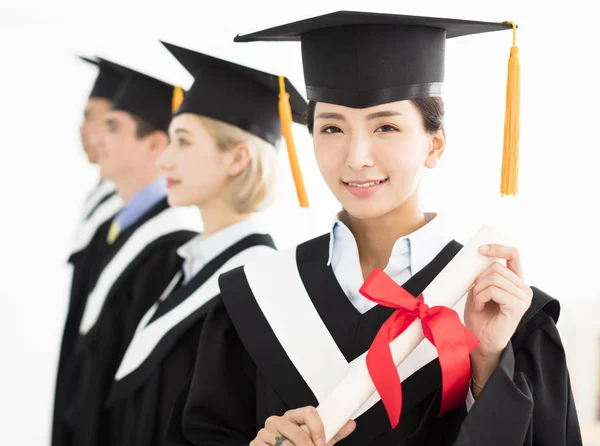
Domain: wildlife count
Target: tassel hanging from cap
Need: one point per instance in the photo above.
(177, 99)
(285, 116)
(510, 155)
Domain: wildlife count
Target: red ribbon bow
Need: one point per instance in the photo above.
(441, 326)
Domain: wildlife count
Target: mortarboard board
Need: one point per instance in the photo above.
(243, 97)
(360, 59)
(108, 80)
(143, 96)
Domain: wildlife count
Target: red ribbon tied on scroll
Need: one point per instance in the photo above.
(441, 326)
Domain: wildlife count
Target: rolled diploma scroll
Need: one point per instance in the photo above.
(348, 399)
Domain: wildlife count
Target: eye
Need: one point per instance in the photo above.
(386, 129)
(331, 129)
(182, 142)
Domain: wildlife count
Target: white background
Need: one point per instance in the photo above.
(44, 176)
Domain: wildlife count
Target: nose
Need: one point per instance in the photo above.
(165, 160)
(360, 152)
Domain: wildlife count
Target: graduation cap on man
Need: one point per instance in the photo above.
(143, 96)
(108, 80)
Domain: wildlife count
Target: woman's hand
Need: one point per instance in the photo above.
(495, 306)
(299, 427)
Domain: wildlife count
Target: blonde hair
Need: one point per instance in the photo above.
(252, 190)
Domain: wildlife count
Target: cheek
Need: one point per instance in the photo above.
(404, 153)
(116, 145)
(198, 167)
(113, 144)
(330, 156)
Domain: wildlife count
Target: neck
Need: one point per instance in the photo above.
(375, 237)
(134, 182)
(219, 215)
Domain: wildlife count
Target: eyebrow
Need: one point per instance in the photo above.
(379, 114)
(180, 130)
(326, 115)
(384, 114)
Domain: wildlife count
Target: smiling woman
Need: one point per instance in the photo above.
(404, 136)
(288, 328)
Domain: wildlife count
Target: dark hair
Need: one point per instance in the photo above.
(432, 111)
(143, 128)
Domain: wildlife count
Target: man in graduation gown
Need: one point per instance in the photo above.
(287, 327)
(138, 248)
(101, 205)
(91, 131)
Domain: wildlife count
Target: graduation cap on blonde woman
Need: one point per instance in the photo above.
(260, 103)
(359, 60)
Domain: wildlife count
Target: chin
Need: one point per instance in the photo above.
(178, 200)
(107, 173)
(366, 210)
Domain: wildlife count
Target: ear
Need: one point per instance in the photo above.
(437, 145)
(241, 156)
(158, 142)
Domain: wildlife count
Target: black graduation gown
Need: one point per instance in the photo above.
(85, 261)
(243, 375)
(88, 371)
(141, 400)
(101, 192)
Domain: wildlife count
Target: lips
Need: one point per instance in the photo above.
(366, 188)
(364, 185)
(172, 182)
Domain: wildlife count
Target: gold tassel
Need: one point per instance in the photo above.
(510, 154)
(285, 116)
(177, 99)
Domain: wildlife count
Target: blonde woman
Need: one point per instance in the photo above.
(221, 158)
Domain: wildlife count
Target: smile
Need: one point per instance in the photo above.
(366, 184)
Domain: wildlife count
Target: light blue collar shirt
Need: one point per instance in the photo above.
(141, 203)
(409, 255)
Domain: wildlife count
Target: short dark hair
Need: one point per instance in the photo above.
(143, 128)
(432, 111)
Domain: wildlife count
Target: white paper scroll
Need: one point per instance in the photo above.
(447, 289)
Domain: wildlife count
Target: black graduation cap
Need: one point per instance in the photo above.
(143, 96)
(108, 81)
(361, 59)
(236, 94)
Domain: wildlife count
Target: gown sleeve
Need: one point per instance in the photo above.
(105, 344)
(528, 399)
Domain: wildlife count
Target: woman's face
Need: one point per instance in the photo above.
(196, 170)
(373, 158)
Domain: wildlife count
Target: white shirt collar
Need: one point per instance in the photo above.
(200, 250)
(409, 255)
(424, 244)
